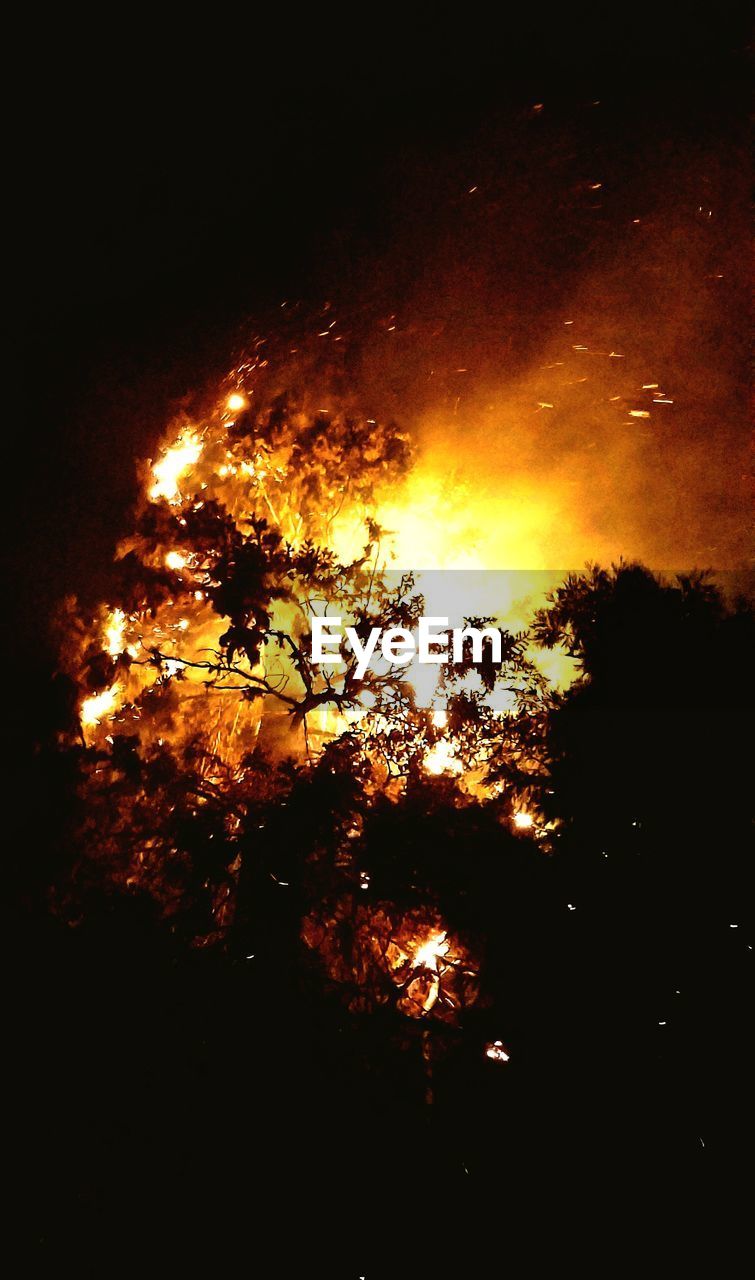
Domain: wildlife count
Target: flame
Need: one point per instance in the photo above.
(431, 973)
(501, 479)
(441, 758)
(208, 463)
(94, 709)
(175, 462)
(431, 951)
(114, 630)
(115, 635)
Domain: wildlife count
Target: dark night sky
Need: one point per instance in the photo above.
(163, 199)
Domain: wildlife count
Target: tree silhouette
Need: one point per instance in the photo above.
(652, 731)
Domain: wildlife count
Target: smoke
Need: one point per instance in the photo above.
(559, 317)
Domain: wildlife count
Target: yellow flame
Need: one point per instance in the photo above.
(441, 758)
(175, 560)
(99, 705)
(428, 955)
(176, 460)
(114, 629)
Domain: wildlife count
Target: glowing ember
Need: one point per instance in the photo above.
(174, 560)
(496, 1052)
(236, 402)
(523, 821)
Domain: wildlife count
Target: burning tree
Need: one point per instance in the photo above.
(271, 806)
(220, 769)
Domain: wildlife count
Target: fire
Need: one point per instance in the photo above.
(441, 758)
(114, 633)
(268, 477)
(407, 957)
(429, 976)
(430, 952)
(304, 480)
(175, 462)
(94, 709)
